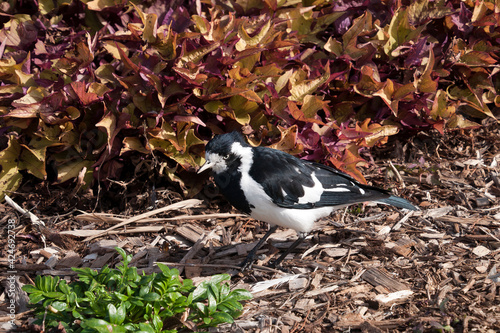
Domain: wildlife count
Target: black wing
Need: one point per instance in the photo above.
(286, 178)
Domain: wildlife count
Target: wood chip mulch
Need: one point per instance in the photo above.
(365, 269)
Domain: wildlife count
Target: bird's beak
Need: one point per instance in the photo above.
(205, 166)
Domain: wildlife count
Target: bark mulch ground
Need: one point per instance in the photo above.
(365, 269)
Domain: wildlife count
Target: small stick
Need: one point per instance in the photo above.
(34, 219)
(398, 175)
(178, 205)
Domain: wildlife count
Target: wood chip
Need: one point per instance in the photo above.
(173, 207)
(193, 270)
(299, 283)
(377, 277)
(322, 291)
(102, 260)
(104, 245)
(339, 252)
(481, 251)
(437, 235)
(71, 259)
(392, 298)
(190, 231)
(304, 304)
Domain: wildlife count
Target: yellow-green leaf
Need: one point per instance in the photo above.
(350, 38)
(108, 122)
(195, 56)
(246, 41)
(440, 107)
(10, 178)
(425, 83)
(33, 161)
(399, 28)
(113, 48)
(72, 169)
(133, 144)
(302, 88)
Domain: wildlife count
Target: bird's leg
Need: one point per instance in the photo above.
(299, 240)
(249, 259)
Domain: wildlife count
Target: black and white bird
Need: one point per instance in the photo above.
(278, 188)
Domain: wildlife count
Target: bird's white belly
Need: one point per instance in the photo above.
(301, 220)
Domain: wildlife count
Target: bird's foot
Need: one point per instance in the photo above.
(277, 266)
(247, 263)
(274, 264)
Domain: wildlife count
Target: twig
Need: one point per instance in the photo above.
(200, 243)
(99, 216)
(34, 219)
(185, 264)
(178, 205)
(486, 231)
(398, 175)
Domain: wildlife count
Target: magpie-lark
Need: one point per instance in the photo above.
(278, 188)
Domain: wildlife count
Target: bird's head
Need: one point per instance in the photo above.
(222, 151)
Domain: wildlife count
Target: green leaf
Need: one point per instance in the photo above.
(222, 317)
(116, 315)
(64, 288)
(201, 307)
(399, 29)
(146, 328)
(200, 291)
(157, 322)
(102, 326)
(151, 297)
(54, 294)
(35, 298)
(59, 306)
(212, 303)
(241, 295)
(77, 314)
(28, 288)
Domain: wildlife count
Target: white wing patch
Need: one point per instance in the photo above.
(312, 194)
(337, 189)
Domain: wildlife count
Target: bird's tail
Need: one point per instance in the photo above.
(398, 202)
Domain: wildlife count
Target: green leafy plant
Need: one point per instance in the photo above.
(121, 300)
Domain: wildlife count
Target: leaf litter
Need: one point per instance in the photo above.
(367, 269)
